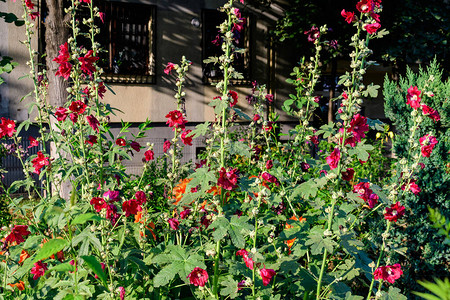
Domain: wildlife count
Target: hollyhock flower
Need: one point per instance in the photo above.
(372, 28)
(29, 4)
(39, 162)
(131, 207)
(170, 66)
(234, 96)
(87, 62)
(63, 54)
(365, 6)
(427, 143)
(136, 146)
(256, 117)
(7, 127)
(187, 140)
(375, 16)
(268, 127)
(227, 180)
(314, 139)
(304, 166)
(111, 196)
(412, 186)
(73, 117)
(348, 174)
(269, 164)
(431, 113)
(413, 97)
(111, 213)
(61, 114)
(358, 127)
(269, 98)
(395, 212)
(33, 142)
(64, 70)
(166, 146)
(270, 178)
(121, 292)
(349, 16)
(140, 197)
(333, 158)
(102, 17)
(93, 122)
(313, 34)
(217, 41)
(19, 285)
(18, 234)
(241, 284)
(248, 261)
(175, 119)
(98, 203)
(121, 142)
(77, 107)
(198, 277)
(173, 223)
(365, 193)
(185, 213)
(266, 275)
(149, 155)
(39, 269)
(388, 273)
(33, 15)
(91, 140)
(23, 256)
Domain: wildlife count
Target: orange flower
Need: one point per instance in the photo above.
(138, 219)
(180, 189)
(23, 255)
(289, 243)
(19, 285)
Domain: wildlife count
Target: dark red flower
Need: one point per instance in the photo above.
(375, 16)
(269, 164)
(270, 178)
(170, 66)
(313, 34)
(121, 142)
(18, 234)
(149, 155)
(365, 193)
(61, 114)
(234, 97)
(7, 127)
(427, 143)
(372, 28)
(395, 212)
(388, 273)
(198, 277)
(64, 70)
(77, 107)
(111, 196)
(365, 6)
(173, 223)
(33, 15)
(98, 203)
(111, 213)
(431, 113)
(185, 138)
(185, 213)
(227, 180)
(412, 186)
(73, 117)
(349, 16)
(131, 207)
(175, 119)
(91, 140)
(140, 197)
(333, 158)
(248, 261)
(93, 122)
(413, 97)
(87, 62)
(63, 54)
(136, 146)
(33, 142)
(304, 166)
(29, 4)
(256, 118)
(166, 146)
(268, 127)
(39, 162)
(39, 269)
(348, 174)
(266, 275)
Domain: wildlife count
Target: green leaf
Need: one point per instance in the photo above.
(327, 130)
(81, 219)
(305, 190)
(96, 267)
(241, 114)
(48, 249)
(230, 287)
(239, 228)
(440, 288)
(167, 273)
(238, 148)
(361, 151)
(64, 267)
(201, 129)
(392, 294)
(371, 90)
(220, 226)
(319, 242)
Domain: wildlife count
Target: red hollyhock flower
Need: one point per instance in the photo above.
(7, 128)
(131, 207)
(372, 28)
(18, 234)
(121, 142)
(39, 269)
(73, 118)
(136, 146)
(91, 140)
(39, 162)
(227, 180)
(248, 261)
(333, 158)
(234, 97)
(149, 155)
(173, 223)
(121, 292)
(101, 90)
(77, 107)
(33, 142)
(365, 6)
(185, 213)
(268, 127)
(358, 126)
(388, 273)
(269, 98)
(395, 212)
(375, 16)
(187, 140)
(412, 186)
(61, 114)
(349, 16)
(413, 97)
(33, 15)
(64, 70)
(266, 275)
(93, 122)
(111, 213)
(166, 146)
(269, 164)
(98, 203)
(427, 143)
(256, 117)
(365, 193)
(175, 119)
(140, 197)
(270, 178)
(111, 196)
(198, 277)
(313, 34)
(87, 62)
(29, 4)
(348, 174)
(431, 113)
(63, 54)
(170, 66)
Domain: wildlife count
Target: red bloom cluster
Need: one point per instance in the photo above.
(175, 119)
(333, 158)
(388, 273)
(412, 186)
(61, 114)
(7, 127)
(198, 277)
(313, 34)
(18, 234)
(227, 180)
(266, 275)
(270, 178)
(395, 212)
(349, 16)
(173, 223)
(39, 162)
(248, 261)
(358, 128)
(33, 14)
(413, 97)
(187, 140)
(166, 145)
(149, 155)
(365, 193)
(431, 113)
(427, 143)
(121, 142)
(39, 269)
(93, 122)
(234, 97)
(63, 60)
(367, 6)
(33, 142)
(372, 28)
(87, 63)
(348, 174)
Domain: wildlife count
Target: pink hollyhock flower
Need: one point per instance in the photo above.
(256, 117)
(313, 34)
(270, 178)
(39, 162)
(166, 146)
(375, 16)
(241, 284)
(365, 193)
(136, 146)
(61, 114)
(234, 97)
(18, 234)
(266, 275)
(344, 95)
(348, 174)
(349, 16)
(395, 212)
(372, 28)
(365, 6)
(304, 166)
(187, 140)
(269, 164)
(131, 207)
(175, 119)
(149, 155)
(98, 203)
(185, 213)
(413, 97)
(198, 277)
(91, 140)
(111, 196)
(431, 113)
(39, 269)
(227, 180)
(333, 158)
(93, 122)
(269, 98)
(388, 273)
(358, 126)
(247, 260)
(33, 142)
(7, 127)
(121, 292)
(170, 66)
(173, 223)
(102, 17)
(140, 197)
(427, 143)
(87, 62)
(77, 107)
(412, 186)
(121, 142)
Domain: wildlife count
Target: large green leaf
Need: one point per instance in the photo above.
(50, 248)
(96, 267)
(83, 218)
(318, 241)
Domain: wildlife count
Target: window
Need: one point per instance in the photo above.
(212, 47)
